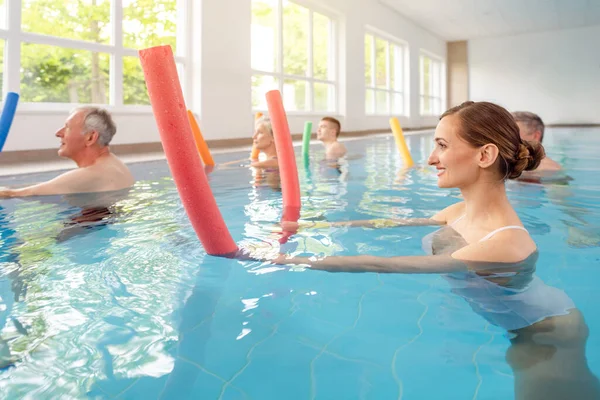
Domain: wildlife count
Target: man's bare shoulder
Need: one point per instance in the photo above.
(548, 164)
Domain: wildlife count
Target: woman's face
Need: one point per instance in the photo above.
(456, 161)
(262, 137)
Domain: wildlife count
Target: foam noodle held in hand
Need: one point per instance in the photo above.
(255, 152)
(169, 111)
(290, 186)
(201, 145)
(400, 142)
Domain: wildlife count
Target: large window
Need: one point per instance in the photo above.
(384, 76)
(431, 78)
(293, 50)
(86, 51)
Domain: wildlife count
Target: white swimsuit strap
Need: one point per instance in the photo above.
(492, 233)
(457, 219)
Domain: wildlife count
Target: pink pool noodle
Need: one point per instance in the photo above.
(290, 186)
(178, 143)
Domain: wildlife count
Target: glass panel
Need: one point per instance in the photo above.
(324, 97)
(63, 75)
(3, 24)
(72, 19)
(295, 39)
(134, 84)
(426, 76)
(382, 102)
(370, 102)
(398, 104)
(261, 84)
(295, 95)
(2, 43)
(381, 63)
(148, 23)
(426, 105)
(322, 49)
(369, 60)
(436, 78)
(396, 68)
(264, 36)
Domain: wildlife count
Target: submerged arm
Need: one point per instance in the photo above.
(364, 263)
(75, 181)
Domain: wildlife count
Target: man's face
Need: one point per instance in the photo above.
(72, 141)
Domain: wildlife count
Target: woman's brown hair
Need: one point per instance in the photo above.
(488, 123)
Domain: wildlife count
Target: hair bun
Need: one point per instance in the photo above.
(529, 156)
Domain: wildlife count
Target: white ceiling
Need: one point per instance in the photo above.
(470, 19)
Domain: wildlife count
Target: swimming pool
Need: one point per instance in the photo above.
(124, 303)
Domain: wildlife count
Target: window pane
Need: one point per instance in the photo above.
(295, 39)
(398, 104)
(396, 68)
(63, 75)
(426, 77)
(73, 19)
(322, 49)
(381, 63)
(370, 102)
(369, 60)
(264, 35)
(1, 68)
(324, 97)
(425, 105)
(134, 84)
(3, 23)
(436, 78)
(261, 84)
(382, 102)
(295, 95)
(148, 23)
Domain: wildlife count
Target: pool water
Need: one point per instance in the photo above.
(123, 302)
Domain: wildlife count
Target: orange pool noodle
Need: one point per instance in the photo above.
(201, 145)
(255, 152)
(169, 111)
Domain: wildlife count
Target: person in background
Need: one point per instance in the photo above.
(85, 139)
(328, 133)
(531, 128)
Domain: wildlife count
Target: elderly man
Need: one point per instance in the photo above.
(531, 128)
(84, 139)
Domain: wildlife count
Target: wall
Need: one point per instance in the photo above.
(218, 82)
(458, 73)
(554, 74)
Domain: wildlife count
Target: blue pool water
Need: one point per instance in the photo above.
(124, 303)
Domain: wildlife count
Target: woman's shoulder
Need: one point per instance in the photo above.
(450, 213)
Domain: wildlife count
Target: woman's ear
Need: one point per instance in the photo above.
(488, 155)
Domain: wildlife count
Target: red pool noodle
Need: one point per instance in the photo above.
(178, 143)
(290, 186)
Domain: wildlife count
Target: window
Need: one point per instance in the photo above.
(384, 76)
(293, 50)
(86, 51)
(431, 85)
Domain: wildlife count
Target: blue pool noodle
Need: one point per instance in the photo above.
(8, 113)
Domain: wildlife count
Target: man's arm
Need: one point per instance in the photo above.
(75, 181)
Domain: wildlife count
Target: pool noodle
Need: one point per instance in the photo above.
(169, 111)
(201, 145)
(255, 152)
(290, 185)
(400, 142)
(8, 114)
(306, 140)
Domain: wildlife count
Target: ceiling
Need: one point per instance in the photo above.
(470, 19)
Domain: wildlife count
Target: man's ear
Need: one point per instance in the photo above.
(488, 155)
(537, 136)
(91, 138)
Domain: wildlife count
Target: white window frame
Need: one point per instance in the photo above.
(332, 62)
(433, 82)
(14, 36)
(403, 45)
